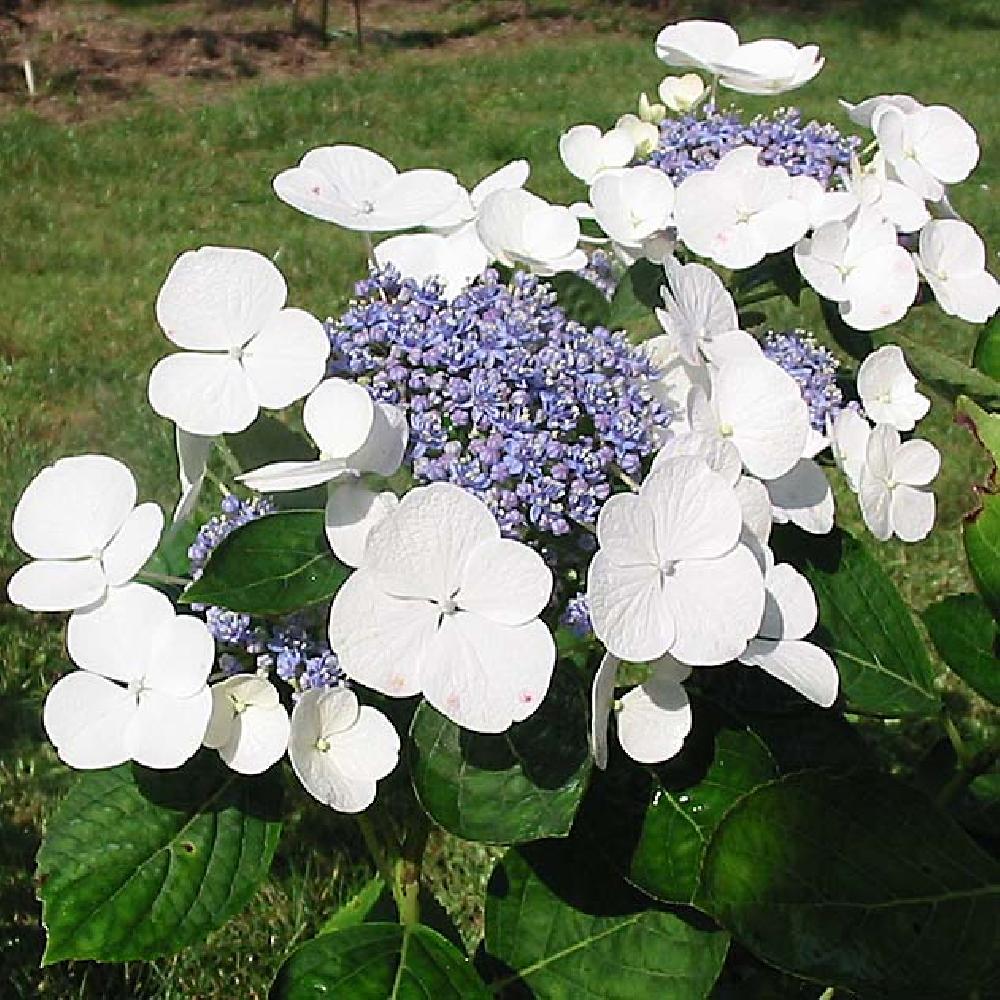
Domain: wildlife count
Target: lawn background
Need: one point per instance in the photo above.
(93, 213)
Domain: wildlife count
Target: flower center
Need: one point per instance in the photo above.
(322, 744)
(366, 207)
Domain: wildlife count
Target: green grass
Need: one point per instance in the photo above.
(94, 214)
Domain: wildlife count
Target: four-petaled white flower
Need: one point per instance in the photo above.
(653, 719)
(644, 135)
(649, 112)
(78, 520)
(758, 407)
(790, 614)
(927, 147)
(860, 265)
(243, 349)
(952, 259)
(522, 230)
(141, 692)
(586, 151)
(893, 494)
(739, 211)
(441, 604)
(682, 93)
(698, 311)
(358, 189)
(339, 749)
(634, 206)
(670, 575)
(248, 725)
(355, 435)
(888, 389)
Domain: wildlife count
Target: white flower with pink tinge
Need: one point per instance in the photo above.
(442, 605)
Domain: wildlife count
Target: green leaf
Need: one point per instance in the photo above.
(964, 633)
(510, 787)
(359, 908)
(565, 927)
(171, 555)
(864, 624)
(655, 822)
(986, 356)
(580, 300)
(984, 426)
(981, 534)
(635, 299)
(139, 863)
(378, 962)
(776, 274)
(272, 566)
(949, 377)
(855, 881)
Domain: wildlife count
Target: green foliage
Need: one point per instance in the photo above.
(981, 533)
(272, 566)
(378, 962)
(171, 555)
(635, 298)
(559, 923)
(580, 299)
(140, 863)
(864, 625)
(986, 356)
(964, 633)
(856, 881)
(508, 788)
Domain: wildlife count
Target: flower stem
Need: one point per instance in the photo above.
(375, 848)
(178, 581)
(406, 881)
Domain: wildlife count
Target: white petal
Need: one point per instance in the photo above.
(73, 508)
(627, 609)
(204, 394)
(352, 510)
(218, 297)
(420, 550)
(413, 198)
(192, 460)
(801, 665)
(881, 290)
(626, 531)
(135, 542)
(369, 749)
(880, 455)
(654, 720)
(506, 582)
(888, 389)
(381, 641)
(287, 359)
(57, 585)
(803, 496)
(755, 506)
(719, 454)
(115, 638)
(85, 717)
(181, 657)
(512, 175)
(701, 44)
(695, 511)
(283, 477)
(339, 416)
(259, 739)
(875, 499)
(790, 610)
(974, 297)
(602, 694)
(164, 731)
(717, 605)
(484, 676)
(916, 463)
(849, 438)
(385, 445)
(912, 513)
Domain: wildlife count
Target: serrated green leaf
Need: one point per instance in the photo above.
(855, 881)
(984, 426)
(378, 962)
(139, 863)
(986, 356)
(561, 926)
(510, 787)
(864, 624)
(981, 534)
(580, 300)
(272, 566)
(964, 633)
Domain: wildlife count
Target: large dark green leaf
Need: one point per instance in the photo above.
(635, 299)
(378, 962)
(864, 624)
(511, 787)
(856, 881)
(655, 822)
(964, 633)
(580, 300)
(986, 356)
(560, 925)
(171, 555)
(272, 566)
(981, 534)
(139, 863)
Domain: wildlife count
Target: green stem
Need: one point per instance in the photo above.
(627, 480)
(375, 847)
(230, 459)
(406, 881)
(178, 581)
(828, 993)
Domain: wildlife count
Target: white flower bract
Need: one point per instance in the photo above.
(634, 206)
(888, 389)
(248, 725)
(586, 151)
(952, 259)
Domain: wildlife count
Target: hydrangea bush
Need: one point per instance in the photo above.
(549, 556)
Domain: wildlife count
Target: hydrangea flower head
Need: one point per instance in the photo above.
(504, 395)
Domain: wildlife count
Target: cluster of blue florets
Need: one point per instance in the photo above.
(576, 616)
(290, 648)
(698, 140)
(601, 273)
(815, 370)
(505, 396)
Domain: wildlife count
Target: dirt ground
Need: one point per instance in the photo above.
(85, 57)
